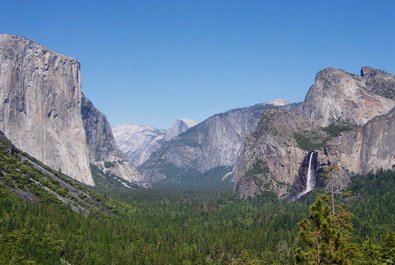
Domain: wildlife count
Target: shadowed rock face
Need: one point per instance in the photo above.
(346, 118)
(40, 105)
(99, 136)
(102, 148)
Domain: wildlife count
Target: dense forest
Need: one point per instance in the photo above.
(190, 227)
(46, 218)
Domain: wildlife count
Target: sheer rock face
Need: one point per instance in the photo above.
(44, 113)
(40, 105)
(215, 142)
(365, 149)
(274, 157)
(102, 148)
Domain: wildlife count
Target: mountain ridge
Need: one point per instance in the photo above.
(210, 146)
(274, 156)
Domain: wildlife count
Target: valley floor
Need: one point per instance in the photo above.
(163, 226)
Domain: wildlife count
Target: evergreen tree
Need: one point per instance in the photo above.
(321, 241)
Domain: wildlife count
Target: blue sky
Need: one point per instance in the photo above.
(149, 62)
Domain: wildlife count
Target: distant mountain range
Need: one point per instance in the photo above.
(207, 151)
(139, 142)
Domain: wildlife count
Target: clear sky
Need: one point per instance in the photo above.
(149, 62)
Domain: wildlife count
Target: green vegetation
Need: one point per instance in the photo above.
(259, 167)
(108, 164)
(335, 129)
(163, 226)
(314, 140)
(190, 226)
(159, 227)
(309, 142)
(348, 229)
(325, 236)
(382, 87)
(107, 183)
(193, 179)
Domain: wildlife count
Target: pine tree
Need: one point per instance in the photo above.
(321, 237)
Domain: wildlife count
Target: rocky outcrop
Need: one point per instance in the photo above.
(366, 149)
(40, 105)
(37, 182)
(102, 148)
(212, 144)
(343, 118)
(118, 168)
(340, 96)
(271, 157)
(379, 82)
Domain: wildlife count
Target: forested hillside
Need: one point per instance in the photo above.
(169, 228)
(47, 219)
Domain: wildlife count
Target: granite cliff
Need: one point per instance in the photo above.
(40, 105)
(44, 113)
(365, 149)
(345, 119)
(340, 96)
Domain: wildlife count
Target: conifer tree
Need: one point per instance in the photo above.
(321, 241)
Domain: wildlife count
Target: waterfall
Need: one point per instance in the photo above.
(310, 181)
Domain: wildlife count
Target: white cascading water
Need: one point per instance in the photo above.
(310, 182)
